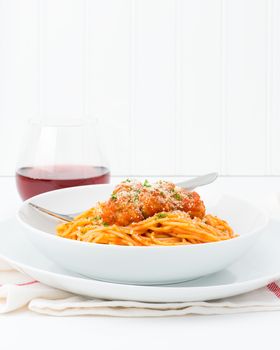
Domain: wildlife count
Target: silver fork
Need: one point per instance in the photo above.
(188, 184)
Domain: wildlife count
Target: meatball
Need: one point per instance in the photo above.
(128, 186)
(132, 201)
(152, 201)
(123, 208)
(181, 199)
(192, 204)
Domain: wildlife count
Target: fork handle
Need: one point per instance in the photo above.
(63, 217)
(198, 181)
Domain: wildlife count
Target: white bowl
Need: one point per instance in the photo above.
(138, 265)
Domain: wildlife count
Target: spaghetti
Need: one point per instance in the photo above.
(141, 214)
(165, 229)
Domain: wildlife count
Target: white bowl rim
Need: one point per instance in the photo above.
(68, 241)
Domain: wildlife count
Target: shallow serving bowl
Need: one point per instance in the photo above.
(139, 265)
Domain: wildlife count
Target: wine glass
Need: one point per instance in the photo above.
(57, 154)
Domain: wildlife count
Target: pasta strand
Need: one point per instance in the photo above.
(166, 228)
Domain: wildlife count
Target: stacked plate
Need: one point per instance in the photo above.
(152, 274)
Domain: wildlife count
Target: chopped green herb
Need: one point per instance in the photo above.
(97, 217)
(146, 183)
(162, 193)
(136, 197)
(161, 215)
(105, 224)
(114, 196)
(177, 196)
(127, 180)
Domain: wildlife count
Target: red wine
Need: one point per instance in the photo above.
(32, 181)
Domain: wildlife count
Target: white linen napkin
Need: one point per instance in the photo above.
(18, 290)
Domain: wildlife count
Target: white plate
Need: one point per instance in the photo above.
(260, 266)
(139, 265)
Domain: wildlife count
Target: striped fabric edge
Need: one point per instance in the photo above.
(274, 288)
(22, 284)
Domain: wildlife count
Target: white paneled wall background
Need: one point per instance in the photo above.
(181, 87)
